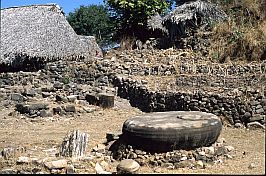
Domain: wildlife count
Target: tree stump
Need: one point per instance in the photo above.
(106, 100)
(74, 144)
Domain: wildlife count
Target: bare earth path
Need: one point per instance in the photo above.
(44, 134)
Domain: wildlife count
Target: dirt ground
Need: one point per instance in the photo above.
(41, 134)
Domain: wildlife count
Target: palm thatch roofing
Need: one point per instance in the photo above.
(187, 13)
(93, 47)
(156, 22)
(39, 31)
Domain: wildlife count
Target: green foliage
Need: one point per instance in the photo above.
(92, 20)
(132, 15)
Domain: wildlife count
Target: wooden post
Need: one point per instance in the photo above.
(74, 144)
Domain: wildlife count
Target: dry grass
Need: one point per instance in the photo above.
(243, 36)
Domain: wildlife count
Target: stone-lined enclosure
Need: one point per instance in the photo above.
(239, 93)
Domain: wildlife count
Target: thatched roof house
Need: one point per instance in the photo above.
(93, 48)
(39, 32)
(192, 13)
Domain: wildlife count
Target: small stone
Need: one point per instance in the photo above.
(208, 150)
(127, 166)
(202, 153)
(229, 148)
(17, 97)
(221, 151)
(256, 118)
(105, 165)
(183, 164)
(23, 159)
(168, 165)
(100, 170)
(8, 171)
(98, 155)
(99, 148)
(70, 169)
(199, 164)
(24, 172)
(46, 94)
(259, 111)
(58, 164)
(57, 110)
(72, 98)
(238, 125)
(58, 85)
(157, 170)
(255, 125)
(29, 92)
(112, 136)
(228, 156)
(70, 108)
(251, 166)
(60, 98)
(183, 158)
(45, 113)
(221, 140)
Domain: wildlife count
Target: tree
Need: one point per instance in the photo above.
(131, 15)
(93, 20)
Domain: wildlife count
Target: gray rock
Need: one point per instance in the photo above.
(127, 166)
(251, 166)
(254, 125)
(247, 115)
(58, 164)
(45, 113)
(259, 111)
(29, 92)
(61, 98)
(24, 172)
(8, 171)
(23, 160)
(57, 110)
(112, 136)
(183, 164)
(46, 94)
(220, 151)
(17, 97)
(238, 125)
(70, 169)
(199, 164)
(254, 103)
(72, 98)
(58, 85)
(256, 118)
(70, 108)
(100, 170)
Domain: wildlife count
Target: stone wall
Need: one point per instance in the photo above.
(247, 106)
(234, 109)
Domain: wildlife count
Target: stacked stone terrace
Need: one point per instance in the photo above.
(160, 80)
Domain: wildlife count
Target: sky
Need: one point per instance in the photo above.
(66, 5)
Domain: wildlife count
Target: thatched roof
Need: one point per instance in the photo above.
(156, 22)
(187, 12)
(93, 47)
(38, 31)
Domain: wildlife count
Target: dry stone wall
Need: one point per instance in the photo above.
(190, 73)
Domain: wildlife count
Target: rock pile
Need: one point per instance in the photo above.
(197, 158)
